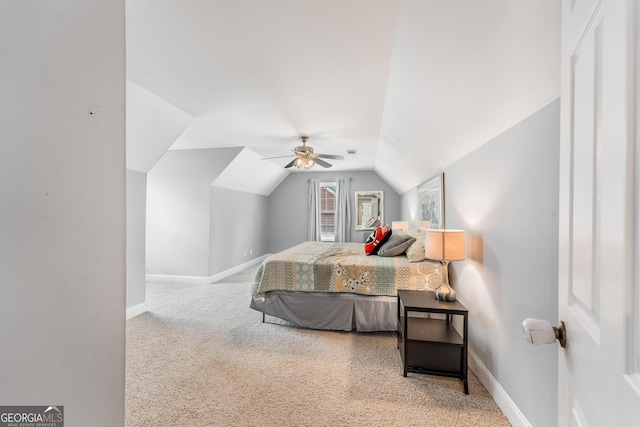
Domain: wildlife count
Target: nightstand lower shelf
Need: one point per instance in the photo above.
(431, 346)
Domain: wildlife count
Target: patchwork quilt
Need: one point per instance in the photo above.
(342, 267)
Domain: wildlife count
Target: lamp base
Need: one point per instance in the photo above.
(444, 291)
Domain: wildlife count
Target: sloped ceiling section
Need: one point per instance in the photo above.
(261, 73)
(266, 175)
(411, 85)
(462, 72)
(153, 124)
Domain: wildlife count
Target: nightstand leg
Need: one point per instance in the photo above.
(466, 386)
(405, 340)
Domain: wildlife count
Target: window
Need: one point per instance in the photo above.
(327, 211)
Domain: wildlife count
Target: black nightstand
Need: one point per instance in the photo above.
(432, 346)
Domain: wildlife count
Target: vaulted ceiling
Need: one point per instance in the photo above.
(411, 85)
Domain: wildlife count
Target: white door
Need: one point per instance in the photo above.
(599, 380)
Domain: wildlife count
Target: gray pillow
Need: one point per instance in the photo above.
(396, 245)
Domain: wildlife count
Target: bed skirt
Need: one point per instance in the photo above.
(332, 310)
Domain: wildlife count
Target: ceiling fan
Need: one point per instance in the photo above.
(306, 158)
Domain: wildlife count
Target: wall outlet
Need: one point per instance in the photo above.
(245, 252)
(251, 251)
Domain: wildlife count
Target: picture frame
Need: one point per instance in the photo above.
(431, 202)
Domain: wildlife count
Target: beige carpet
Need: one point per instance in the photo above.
(202, 357)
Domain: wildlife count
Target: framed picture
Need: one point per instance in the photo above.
(431, 202)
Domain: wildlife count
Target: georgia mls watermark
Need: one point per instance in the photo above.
(32, 416)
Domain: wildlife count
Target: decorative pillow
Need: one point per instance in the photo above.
(397, 244)
(415, 252)
(376, 239)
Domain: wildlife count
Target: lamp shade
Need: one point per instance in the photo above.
(400, 225)
(445, 245)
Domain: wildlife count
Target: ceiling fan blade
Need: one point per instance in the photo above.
(323, 163)
(329, 156)
(290, 163)
(278, 157)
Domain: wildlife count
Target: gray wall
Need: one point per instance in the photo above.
(505, 195)
(178, 218)
(238, 224)
(136, 218)
(62, 181)
(288, 205)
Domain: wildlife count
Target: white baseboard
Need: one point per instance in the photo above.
(176, 278)
(136, 310)
(236, 269)
(511, 411)
(203, 279)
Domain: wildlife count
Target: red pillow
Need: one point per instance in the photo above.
(376, 239)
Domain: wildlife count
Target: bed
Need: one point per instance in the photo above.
(336, 286)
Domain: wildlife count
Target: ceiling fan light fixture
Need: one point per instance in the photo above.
(306, 158)
(309, 162)
(299, 163)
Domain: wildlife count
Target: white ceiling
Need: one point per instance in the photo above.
(153, 125)
(412, 85)
(267, 176)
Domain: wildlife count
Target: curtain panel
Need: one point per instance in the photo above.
(313, 226)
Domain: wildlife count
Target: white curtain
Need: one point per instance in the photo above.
(314, 231)
(343, 211)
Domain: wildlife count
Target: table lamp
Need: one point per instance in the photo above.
(400, 225)
(445, 246)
